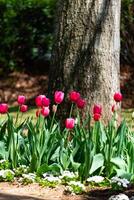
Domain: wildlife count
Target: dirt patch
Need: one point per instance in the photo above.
(31, 85)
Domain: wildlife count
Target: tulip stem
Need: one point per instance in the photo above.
(17, 116)
(71, 110)
(53, 120)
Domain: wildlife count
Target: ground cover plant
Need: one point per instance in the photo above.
(82, 152)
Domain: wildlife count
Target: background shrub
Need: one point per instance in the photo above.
(25, 34)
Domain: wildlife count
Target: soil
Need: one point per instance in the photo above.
(30, 85)
(15, 191)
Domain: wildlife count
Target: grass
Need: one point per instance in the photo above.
(126, 113)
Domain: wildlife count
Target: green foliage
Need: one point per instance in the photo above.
(127, 29)
(26, 33)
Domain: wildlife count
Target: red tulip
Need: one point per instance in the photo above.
(81, 103)
(38, 100)
(118, 97)
(58, 97)
(23, 108)
(3, 108)
(37, 113)
(97, 109)
(74, 96)
(69, 123)
(45, 101)
(96, 117)
(21, 99)
(45, 111)
(113, 108)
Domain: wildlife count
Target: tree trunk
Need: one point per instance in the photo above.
(86, 50)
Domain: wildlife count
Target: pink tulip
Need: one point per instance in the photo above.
(96, 117)
(81, 103)
(97, 109)
(45, 111)
(23, 108)
(45, 101)
(3, 108)
(58, 97)
(118, 97)
(38, 100)
(21, 99)
(74, 96)
(69, 123)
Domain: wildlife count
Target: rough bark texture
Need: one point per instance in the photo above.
(86, 51)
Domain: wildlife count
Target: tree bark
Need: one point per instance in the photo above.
(86, 50)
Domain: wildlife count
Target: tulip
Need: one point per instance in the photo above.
(74, 96)
(96, 117)
(97, 109)
(81, 103)
(54, 108)
(45, 101)
(21, 99)
(37, 113)
(45, 111)
(23, 108)
(118, 97)
(3, 108)
(38, 100)
(69, 123)
(113, 108)
(58, 97)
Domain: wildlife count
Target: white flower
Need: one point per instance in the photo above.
(2, 161)
(30, 176)
(67, 174)
(52, 178)
(96, 179)
(121, 182)
(4, 173)
(77, 183)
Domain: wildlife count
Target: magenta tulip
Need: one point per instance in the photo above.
(23, 108)
(69, 123)
(45, 101)
(97, 109)
(38, 100)
(58, 97)
(45, 111)
(96, 117)
(3, 108)
(81, 103)
(118, 97)
(21, 99)
(74, 96)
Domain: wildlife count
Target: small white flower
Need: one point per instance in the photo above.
(121, 182)
(77, 183)
(4, 173)
(67, 174)
(96, 179)
(30, 176)
(2, 161)
(52, 178)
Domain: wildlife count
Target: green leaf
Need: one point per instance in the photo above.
(98, 161)
(119, 162)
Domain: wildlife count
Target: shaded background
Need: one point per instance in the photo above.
(26, 38)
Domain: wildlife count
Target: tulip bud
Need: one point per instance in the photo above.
(45, 111)
(37, 113)
(74, 96)
(54, 108)
(97, 109)
(69, 123)
(81, 103)
(21, 99)
(96, 117)
(3, 108)
(118, 97)
(58, 97)
(23, 108)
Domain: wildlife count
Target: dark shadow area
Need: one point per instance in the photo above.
(4, 196)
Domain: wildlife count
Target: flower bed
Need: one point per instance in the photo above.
(80, 156)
